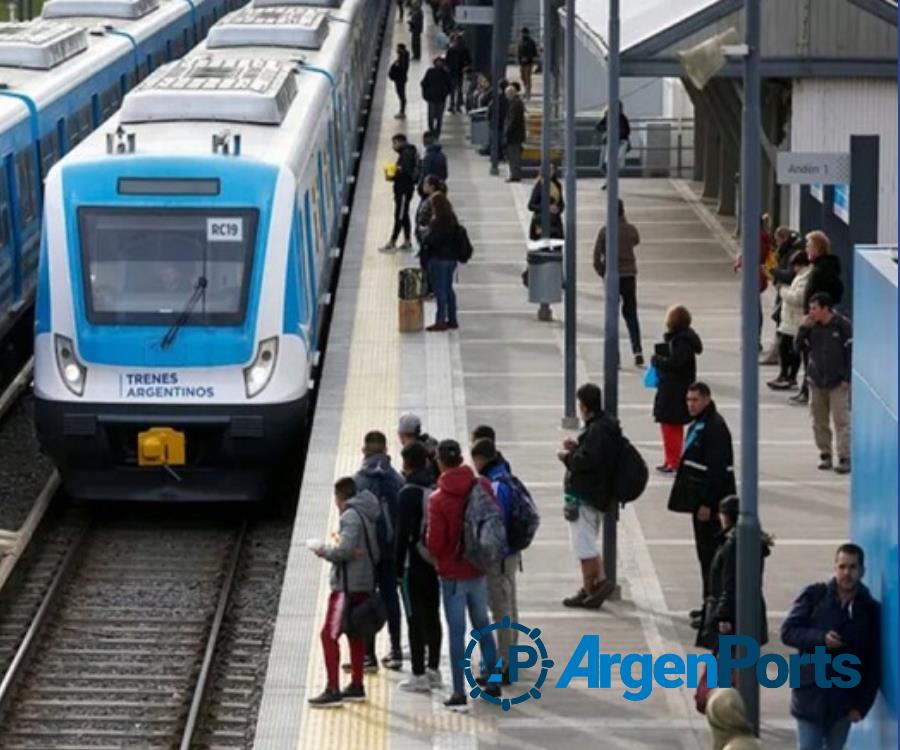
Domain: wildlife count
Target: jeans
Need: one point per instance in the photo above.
(456, 93)
(416, 39)
(514, 152)
(423, 616)
(441, 273)
(813, 736)
(386, 578)
(628, 294)
(402, 198)
(436, 116)
(459, 596)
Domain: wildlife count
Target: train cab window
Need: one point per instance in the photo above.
(78, 125)
(142, 266)
(26, 182)
(49, 152)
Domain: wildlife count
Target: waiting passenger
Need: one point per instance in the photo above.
(399, 74)
(405, 178)
(434, 160)
(416, 25)
(728, 723)
(790, 318)
(486, 431)
(526, 54)
(440, 248)
(515, 132)
(436, 87)
(353, 576)
(557, 206)
(409, 430)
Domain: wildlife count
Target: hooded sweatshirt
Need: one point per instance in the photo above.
(357, 521)
(727, 721)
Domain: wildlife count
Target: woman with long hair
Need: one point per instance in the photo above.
(440, 246)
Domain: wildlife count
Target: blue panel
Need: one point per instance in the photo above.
(294, 294)
(42, 316)
(243, 185)
(873, 522)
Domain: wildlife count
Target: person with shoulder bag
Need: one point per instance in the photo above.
(354, 606)
(440, 242)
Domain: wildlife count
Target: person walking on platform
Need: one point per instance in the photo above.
(458, 60)
(790, 318)
(406, 177)
(527, 53)
(434, 160)
(440, 247)
(399, 74)
(416, 25)
(381, 479)
(828, 337)
(353, 553)
(436, 87)
(675, 361)
(401, 4)
(842, 617)
(515, 132)
(463, 586)
(622, 148)
(557, 206)
(629, 239)
(590, 464)
(409, 430)
(705, 475)
(417, 576)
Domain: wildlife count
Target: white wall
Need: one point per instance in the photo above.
(676, 103)
(827, 111)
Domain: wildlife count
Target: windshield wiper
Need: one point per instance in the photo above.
(199, 291)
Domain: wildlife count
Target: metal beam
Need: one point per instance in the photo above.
(503, 19)
(545, 121)
(884, 10)
(683, 29)
(570, 416)
(772, 67)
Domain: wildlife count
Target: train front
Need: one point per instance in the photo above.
(167, 367)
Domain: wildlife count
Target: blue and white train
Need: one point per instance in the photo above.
(188, 253)
(60, 77)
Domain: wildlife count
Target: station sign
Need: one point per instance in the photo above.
(813, 168)
(474, 15)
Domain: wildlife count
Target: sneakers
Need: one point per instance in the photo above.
(457, 703)
(389, 249)
(638, 360)
(665, 469)
(595, 599)
(843, 466)
(825, 462)
(577, 600)
(781, 384)
(769, 358)
(354, 694)
(434, 677)
(406, 246)
(417, 683)
(393, 660)
(799, 399)
(327, 699)
(453, 326)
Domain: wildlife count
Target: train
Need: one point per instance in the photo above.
(61, 75)
(188, 254)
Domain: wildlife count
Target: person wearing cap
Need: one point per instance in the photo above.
(728, 723)
(463, 586)
(720, 607)
(409, 429)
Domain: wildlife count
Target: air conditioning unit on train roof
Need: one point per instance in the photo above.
(305, 28)
(317, 3)
(126, 9)
(204, 88)
(39, 44)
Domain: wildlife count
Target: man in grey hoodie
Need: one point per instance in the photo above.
(353, 553)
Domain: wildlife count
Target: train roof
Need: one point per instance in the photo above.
(156, 110)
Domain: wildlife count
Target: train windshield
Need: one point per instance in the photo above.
(141, 265)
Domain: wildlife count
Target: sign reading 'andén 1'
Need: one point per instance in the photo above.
(807, 169)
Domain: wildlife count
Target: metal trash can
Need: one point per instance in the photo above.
(479, 128)
(545, 271)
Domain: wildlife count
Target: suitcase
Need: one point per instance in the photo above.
(411, 315)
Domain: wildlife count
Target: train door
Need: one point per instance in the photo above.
(7, 260)
(311, 286)
(27, 180)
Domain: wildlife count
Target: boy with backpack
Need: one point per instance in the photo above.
(415, 570)
(521, 521)
(381, 479)
(465, 536)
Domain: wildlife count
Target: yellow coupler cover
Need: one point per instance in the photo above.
(161, 446)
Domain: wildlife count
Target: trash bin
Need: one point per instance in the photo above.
(479, 128)
(545, 276)
(411, 290)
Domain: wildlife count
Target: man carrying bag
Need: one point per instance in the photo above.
(354, 606)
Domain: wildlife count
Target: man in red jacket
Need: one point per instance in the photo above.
(463, 586)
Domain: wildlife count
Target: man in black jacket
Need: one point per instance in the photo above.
(436, 87)
(405, 180)
(515, 132)
(399, 74)
(458, 60)
(705, 475)
(590, 462)
(527, 53)
(842, 617)
(826, 270)
(416, 25)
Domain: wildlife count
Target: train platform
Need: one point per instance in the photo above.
(505, 368)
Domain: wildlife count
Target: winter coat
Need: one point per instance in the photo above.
(409, 522)
(423, 218)
(457, 59)
(399, 70)
(407, 167)
(628, 240)
(677, 370)
(377, 476)
(535, 204)
(706, 472)
(440, 241)
(416, 21)
(782, 273)
(728, 722)
(527, 51)
(830, 350)
(590, 467)
(436, 85)
(515, 121)
(446, 507)
(816, 611)
(357, 521)
(721, 603)
(434, 161)
(825, 277)
(792, 304)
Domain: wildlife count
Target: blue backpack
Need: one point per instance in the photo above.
(524, 518)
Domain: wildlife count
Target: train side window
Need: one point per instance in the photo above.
(79, 125)
(159, 58)
(27, 185)
(49, 152)
(4, 214)
(109, 101)
(204, 26)
(180, 44)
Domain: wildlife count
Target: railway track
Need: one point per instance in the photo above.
(121, 648)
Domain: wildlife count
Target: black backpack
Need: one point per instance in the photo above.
(631, 475)
(463, 244)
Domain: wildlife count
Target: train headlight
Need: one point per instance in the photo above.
(71, 371)
(259, 373)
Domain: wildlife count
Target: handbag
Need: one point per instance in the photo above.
(701, 695)
(651, 377)
(362, 621)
